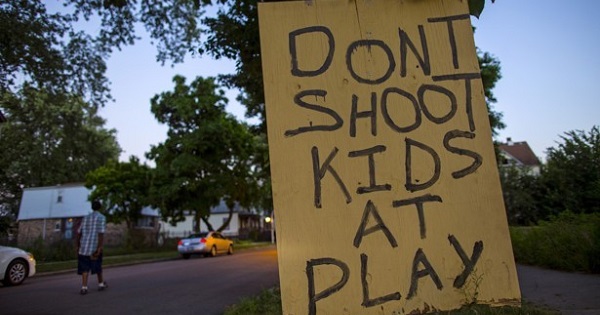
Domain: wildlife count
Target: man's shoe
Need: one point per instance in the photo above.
(83, 291)
(102, 286)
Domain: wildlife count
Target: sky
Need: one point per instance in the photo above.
(549, 52)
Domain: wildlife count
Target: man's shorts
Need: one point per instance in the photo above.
(86, 264)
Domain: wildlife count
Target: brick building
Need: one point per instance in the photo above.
(53, 213)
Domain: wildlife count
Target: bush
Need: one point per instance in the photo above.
(58, 251)
(266, 303)
(569, 242)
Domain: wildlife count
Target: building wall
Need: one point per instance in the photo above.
(186, 227)
(116, 234)
(31, 230)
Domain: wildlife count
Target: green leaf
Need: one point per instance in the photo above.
(476, 7)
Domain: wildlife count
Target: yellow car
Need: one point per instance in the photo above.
(205, 243)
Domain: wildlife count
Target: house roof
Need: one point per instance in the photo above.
(64, 201)
(222, 208)
(521, 152)
(54, 202)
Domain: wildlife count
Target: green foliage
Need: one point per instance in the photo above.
(44, 50)
(490, 74)
(472, 287)
(48, 50)
(233, 33)
(123, 188)
(207, 155)
(570, 181)
(572, 173)
(6, 221)
(476, 7)
(267, 302)
(523, 196)
(569, 242)
(58, 251)
(49, 139)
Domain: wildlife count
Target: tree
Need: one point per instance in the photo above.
(490, 74)
(123, 188)
(233, 33)
(49, 139)
(523, 196)
(572, 172)
(206, 157)
(47, 50)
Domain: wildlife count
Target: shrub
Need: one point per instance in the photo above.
(267, 302)
(568, 242)
(58, 251)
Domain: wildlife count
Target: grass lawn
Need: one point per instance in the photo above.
(115, 257)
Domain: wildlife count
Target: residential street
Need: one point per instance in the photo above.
(208, 285)
(195, 286)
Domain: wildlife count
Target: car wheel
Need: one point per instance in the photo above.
(185, 256)
(213, 251)
(230, 250)
(16, 272)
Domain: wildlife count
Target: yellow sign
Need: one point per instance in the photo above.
(385, 184)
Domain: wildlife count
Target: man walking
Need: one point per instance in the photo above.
(90, 239)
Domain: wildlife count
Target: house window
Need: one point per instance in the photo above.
(59, 199)
(57, 226)
(145, 222)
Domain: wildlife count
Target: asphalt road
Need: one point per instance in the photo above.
(195, 286)
(206, 286)
(570, 293)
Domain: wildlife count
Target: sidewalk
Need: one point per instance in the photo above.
(569, 293)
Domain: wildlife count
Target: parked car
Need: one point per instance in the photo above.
(205, 243)
(15, 265)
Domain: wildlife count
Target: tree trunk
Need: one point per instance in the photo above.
(208, 225)
(197, 218)
(226, 223)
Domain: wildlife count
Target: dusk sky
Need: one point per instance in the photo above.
(549, 52)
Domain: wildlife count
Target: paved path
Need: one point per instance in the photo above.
(570, 293)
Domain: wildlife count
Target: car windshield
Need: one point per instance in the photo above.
(198, 235)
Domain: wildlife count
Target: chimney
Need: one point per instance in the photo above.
(509, 141)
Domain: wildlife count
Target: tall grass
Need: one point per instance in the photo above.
(569, 242)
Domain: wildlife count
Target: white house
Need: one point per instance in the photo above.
(243, 223)
(53, 213)
(519, 154)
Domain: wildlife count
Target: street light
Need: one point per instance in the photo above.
(269, 220)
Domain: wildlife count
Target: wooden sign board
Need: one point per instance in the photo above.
(385, 185)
